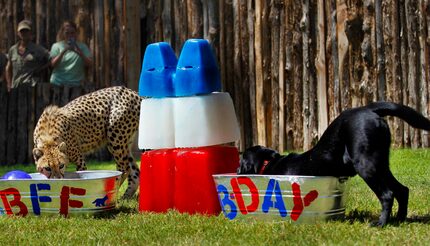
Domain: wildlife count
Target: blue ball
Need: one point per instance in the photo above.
(16, 174)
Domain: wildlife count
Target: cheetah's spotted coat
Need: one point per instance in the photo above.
(108, 116)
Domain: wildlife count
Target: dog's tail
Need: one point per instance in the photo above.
(410, 115)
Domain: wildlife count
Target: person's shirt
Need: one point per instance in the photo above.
(26, 67)
(71, 69)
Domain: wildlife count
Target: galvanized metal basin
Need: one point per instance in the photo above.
(282, 197)
(79, 193)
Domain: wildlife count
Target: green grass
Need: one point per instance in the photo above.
(128, 226)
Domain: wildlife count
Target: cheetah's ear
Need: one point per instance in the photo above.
(62, 147)
(37, 153)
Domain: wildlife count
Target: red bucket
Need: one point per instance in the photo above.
(182, 178)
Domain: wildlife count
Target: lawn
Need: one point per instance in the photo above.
(128, 226)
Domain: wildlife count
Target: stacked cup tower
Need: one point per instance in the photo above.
(186, 122)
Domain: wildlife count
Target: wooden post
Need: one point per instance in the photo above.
(12, 123)
(260, 107)
(275, 25)
(99, 51)
(281, 81)
(22, 120)
(343, 44)
(411, 23)
(423, 68)
(237, 75)
(396, 70)
(380, 69)
(334, 101)
(252, 72)
(195, 23)
(132, 43)
(166, 15)
(308, 85)
(3, 124)
(320, 64)
(245, 37)
(289, 77)
(107, 45)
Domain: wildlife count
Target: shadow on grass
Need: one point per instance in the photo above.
(112, 214)
(425, 219)
(123, 206)
(360, 216)
(368, 217)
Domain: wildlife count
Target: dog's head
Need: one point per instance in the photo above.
(254, 158)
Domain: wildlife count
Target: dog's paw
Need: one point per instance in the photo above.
(377, 223)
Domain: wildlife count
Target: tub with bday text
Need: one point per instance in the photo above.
(281, 197)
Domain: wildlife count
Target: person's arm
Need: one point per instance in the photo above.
(55, 60)
(9, 75)
(87, 59)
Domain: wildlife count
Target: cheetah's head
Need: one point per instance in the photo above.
(51, 160)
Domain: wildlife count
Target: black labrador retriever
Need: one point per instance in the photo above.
(356, 142)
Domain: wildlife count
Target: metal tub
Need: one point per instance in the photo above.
(79, 193)
(281, 197)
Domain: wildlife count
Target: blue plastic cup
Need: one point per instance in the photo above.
(197, 70)
(158, 68)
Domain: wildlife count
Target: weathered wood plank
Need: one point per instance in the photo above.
(259, 79)
(22, 122)
(12, 125)
(3, 123)
(423, 66)
(245, 83)
(252, 74)
(195, 22)
(281, 80)
(334, 86)
(31, 122)
(380, 60)
(297, 46)
(396, 70)
(237, 75)
(289, 76)
(321, 69)
(343, 44)
(275, 32)
(132, 44)
(307, 97)
(412, 29)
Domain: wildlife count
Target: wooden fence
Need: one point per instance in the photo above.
(291, 66)
(20, 109)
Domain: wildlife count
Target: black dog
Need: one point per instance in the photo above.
(356, 142)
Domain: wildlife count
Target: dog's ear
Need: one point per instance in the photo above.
(249, 160)
(267, 154)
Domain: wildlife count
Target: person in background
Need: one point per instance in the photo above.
(69, 57)
(3, 62)
(27, 60)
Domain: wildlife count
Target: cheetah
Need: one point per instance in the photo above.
(65, 134)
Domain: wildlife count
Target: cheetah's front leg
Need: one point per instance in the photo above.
(80, 163)
(125, 164)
